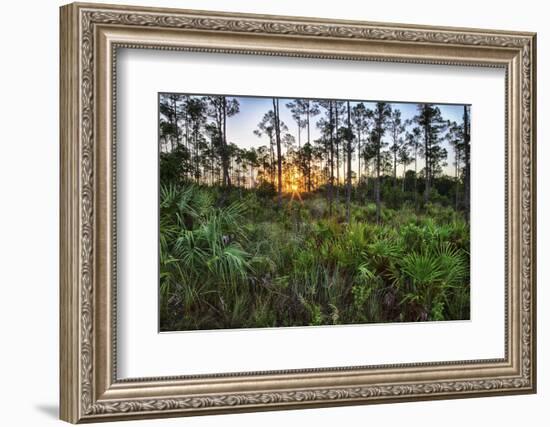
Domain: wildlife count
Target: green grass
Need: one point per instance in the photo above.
(247, 264)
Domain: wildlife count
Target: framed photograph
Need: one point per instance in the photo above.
(266, 212)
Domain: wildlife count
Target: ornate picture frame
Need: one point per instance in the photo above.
(90, 37)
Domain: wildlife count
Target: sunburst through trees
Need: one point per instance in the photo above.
(294, 212)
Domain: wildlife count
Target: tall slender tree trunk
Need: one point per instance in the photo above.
(299, 133)
(197, 166)
(309, 169)
(466, 164)
(367, 180)
(221, 173)
(325, 170)
(331, 186)
(358, 157)
(225, 151)
(378, 161)
(272, 160)
(186, 143)
(175, 122)
(348, 190)
(344, 161)
(309, 149)
(336, 120)
(279, 157)
(394, 167)
(457, 189)
(377, 183)
(308, 128)
(427, 167)
(416, 175)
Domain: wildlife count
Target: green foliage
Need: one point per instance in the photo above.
(266, 190)
(245, 263)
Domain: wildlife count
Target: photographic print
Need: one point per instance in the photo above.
(309, 219)
(282, 212)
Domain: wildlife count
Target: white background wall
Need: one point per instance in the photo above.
(29, 170)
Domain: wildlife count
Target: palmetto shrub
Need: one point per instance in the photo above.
(428, 278)
(246, 263)
(201, 250)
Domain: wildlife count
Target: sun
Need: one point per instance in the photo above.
(291, 182)
(291, 185)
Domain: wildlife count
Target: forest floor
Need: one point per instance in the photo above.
(250, 263)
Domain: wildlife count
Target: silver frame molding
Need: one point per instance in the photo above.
(90, 37)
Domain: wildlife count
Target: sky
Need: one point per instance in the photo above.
(241, 126)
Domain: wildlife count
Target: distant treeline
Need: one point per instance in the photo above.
(362, 153)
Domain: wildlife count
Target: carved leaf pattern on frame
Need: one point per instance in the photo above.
(89, 18)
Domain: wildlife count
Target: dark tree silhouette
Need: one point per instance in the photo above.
(396, 129)
(466, 127)
(381, 115)
(432, 124)
(265, 127)
(349, 138)
(220, 108)
(279, 152)
(327, 126)
(361, 117)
